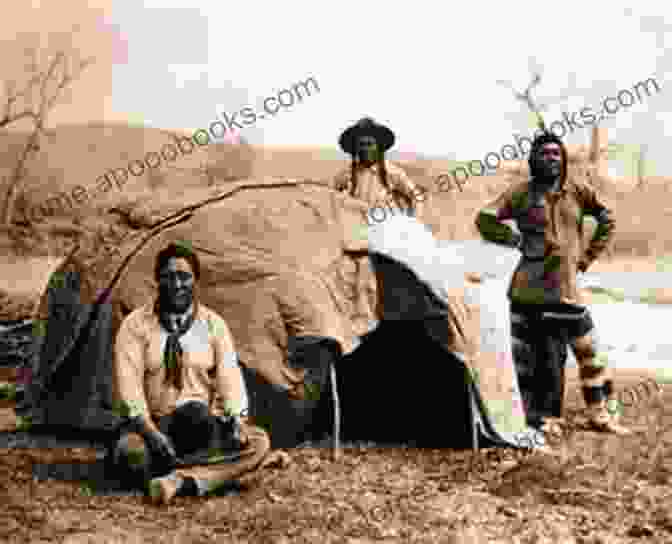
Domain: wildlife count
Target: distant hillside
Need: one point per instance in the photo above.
(80, 154)
(74, 155)
(324, 162)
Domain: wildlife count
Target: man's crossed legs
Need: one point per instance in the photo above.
(215, 451)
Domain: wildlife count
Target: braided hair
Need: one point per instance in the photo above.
(380, 161)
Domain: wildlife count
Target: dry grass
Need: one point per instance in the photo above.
(603, 489)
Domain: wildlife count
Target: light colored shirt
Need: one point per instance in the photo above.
(401, 193)
(211, 373)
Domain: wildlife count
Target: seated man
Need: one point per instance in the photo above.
(176, 371)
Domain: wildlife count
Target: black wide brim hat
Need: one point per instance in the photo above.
(366, 127)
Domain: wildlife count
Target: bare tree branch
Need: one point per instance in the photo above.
(67, 79)
(38, 100)
(58, 57)
(12, 97)
(526, 96)
(48, 100)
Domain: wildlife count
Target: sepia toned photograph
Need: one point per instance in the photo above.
(335, 273)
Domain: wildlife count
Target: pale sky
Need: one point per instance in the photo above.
(428, 69)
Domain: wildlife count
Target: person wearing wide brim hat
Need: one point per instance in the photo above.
(366, 127)
(370, 176)
(387, 190)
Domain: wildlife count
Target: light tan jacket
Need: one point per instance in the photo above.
(210, 365)
(369, 187)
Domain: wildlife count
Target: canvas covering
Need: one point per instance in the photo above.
(478, 327)
(278, 262)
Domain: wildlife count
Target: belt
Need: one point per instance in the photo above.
(556, 311)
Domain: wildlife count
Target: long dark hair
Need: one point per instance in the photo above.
(381, 168)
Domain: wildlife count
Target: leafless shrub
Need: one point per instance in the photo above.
(28, 99)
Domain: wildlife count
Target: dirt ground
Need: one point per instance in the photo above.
(600, 489)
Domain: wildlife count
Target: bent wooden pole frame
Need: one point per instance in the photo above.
(472, 409)
(336, 437)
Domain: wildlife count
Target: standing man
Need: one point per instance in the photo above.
(372, 178)
(177, 375)
(548, 210)
(384, 186)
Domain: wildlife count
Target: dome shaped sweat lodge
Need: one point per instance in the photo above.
(278, 264)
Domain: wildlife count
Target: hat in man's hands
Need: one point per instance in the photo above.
(366, 127)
